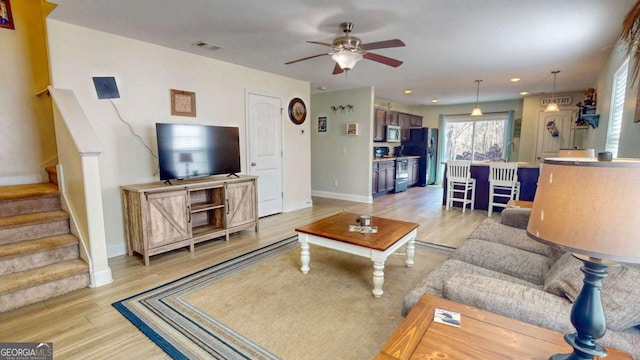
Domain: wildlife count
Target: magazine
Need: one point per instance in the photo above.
(447, 317)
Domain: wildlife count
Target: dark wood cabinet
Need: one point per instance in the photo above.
(383, 177)
(416, 121)
(382, 117)
(379, 121)
(412, 170)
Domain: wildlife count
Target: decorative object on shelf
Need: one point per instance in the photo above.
(587, 111)
(553, 105)
(183, 103)
(322, 124)
(352, 129)
(599, 234)
(476, 111)
(6, 18)
(297, 111)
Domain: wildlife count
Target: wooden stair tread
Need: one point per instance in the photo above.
(25, 191)
(27, 247)
(34, 218)
(33, 277)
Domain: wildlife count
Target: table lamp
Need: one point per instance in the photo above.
(585, 206)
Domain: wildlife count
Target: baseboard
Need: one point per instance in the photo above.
(299, 206)
(342, 196)
(100, 278)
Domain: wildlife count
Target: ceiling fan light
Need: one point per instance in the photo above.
(476, 111)
(553, 106)
(347, 59)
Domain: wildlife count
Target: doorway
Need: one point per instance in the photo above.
(554, 133)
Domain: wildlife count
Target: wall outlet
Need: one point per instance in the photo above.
(335, 182)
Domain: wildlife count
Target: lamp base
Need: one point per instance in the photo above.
(587, 314)
(580, 352)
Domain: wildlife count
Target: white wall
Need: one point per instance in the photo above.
(27, 143)
(341, 164)
(145, 73)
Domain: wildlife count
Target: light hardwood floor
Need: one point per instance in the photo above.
(84, 325)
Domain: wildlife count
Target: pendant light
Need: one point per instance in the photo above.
(553, 105)
(476, 111)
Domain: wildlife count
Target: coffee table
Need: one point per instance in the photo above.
(333, 233)
(481, 335)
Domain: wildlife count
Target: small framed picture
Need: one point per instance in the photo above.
(352, 129)
(6, 18)
(183, 103)
(322, 124)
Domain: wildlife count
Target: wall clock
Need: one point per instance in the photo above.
(297, 111)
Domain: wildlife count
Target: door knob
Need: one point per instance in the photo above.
(253, 163)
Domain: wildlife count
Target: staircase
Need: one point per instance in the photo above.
(39, 257)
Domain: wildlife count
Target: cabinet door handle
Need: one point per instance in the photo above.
(227, 206)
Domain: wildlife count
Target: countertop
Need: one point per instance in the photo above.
(393, 158)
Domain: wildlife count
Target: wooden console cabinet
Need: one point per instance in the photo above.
(159, 217)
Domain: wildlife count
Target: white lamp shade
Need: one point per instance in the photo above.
(347, 59)
(552, 107)
(476, 111)
(586, 206)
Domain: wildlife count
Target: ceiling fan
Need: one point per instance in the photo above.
(347, 50)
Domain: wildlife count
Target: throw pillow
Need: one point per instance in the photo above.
(620, 294)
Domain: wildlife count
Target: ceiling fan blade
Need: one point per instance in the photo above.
(382, 44)
(320, 43)
(306, 58)
(382, 59)
(337, 70)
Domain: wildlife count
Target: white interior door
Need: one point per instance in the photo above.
(264, 158)
(548, 144)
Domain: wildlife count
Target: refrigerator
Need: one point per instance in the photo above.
(423, 142)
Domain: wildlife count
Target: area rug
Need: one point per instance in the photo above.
(260, 306)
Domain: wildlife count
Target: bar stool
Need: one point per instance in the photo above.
(459, 181)
(503, 183)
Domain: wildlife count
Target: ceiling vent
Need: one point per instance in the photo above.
(206, 45)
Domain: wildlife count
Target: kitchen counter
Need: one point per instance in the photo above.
(394, 158)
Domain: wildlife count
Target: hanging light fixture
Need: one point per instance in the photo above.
(553, 105)
(476, 111)
(347, 59)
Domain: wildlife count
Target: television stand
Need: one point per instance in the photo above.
(160, 216)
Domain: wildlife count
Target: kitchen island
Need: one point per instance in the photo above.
(528, 174)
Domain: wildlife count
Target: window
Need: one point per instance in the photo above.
(475, 139)
(618, 90)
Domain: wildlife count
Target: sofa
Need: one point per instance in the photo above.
(500, 269)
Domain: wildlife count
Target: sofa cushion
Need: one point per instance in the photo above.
(620, 297)
(492, 230)
(433, 283)
(505, 259)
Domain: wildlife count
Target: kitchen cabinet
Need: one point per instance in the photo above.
(383, 177)
(160, 217)
(379, 121)
(382, 117)
(413, 171)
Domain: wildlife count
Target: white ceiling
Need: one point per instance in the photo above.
(449, 43)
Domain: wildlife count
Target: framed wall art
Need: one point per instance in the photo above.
(183, 103)
(6, 18)
(322, 124)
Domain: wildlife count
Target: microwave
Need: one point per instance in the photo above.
(392, 133)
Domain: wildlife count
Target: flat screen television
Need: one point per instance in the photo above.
(186, 151)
